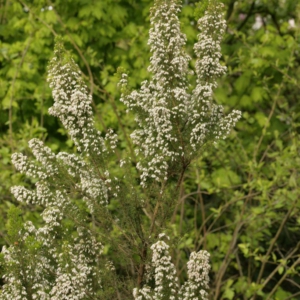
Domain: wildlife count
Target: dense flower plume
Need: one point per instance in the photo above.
(71, 263)
(197, 284)
(161, 102)
(69, 167)
(163, 272)
(174, 124)
(72, 104)
(206, 118)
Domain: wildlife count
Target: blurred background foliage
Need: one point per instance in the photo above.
(240, 201)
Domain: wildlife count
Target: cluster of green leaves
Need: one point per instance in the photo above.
(240, 201)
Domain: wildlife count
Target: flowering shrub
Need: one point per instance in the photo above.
(90, 214)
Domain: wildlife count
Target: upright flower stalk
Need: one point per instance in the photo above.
(166, 284)
(173, 123)
(161, 103)
(206, 119)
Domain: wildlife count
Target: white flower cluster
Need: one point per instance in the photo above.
(112, 138)
(26, 167)
(174, 124)
(72, 104)
(72, 171)
(13, 289)
(197, 284)
(163, 272)
(56, 269)
(91, 186)
(207, 118)
(74, 281)
(43, 155)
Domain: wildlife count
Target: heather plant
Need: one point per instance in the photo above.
(103, 228)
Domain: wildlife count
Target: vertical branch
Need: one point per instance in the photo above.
(202, 207)
(226, 260)
(141, 271)
(185, 165)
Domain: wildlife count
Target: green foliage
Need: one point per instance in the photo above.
(14, 224)
(202, 6)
